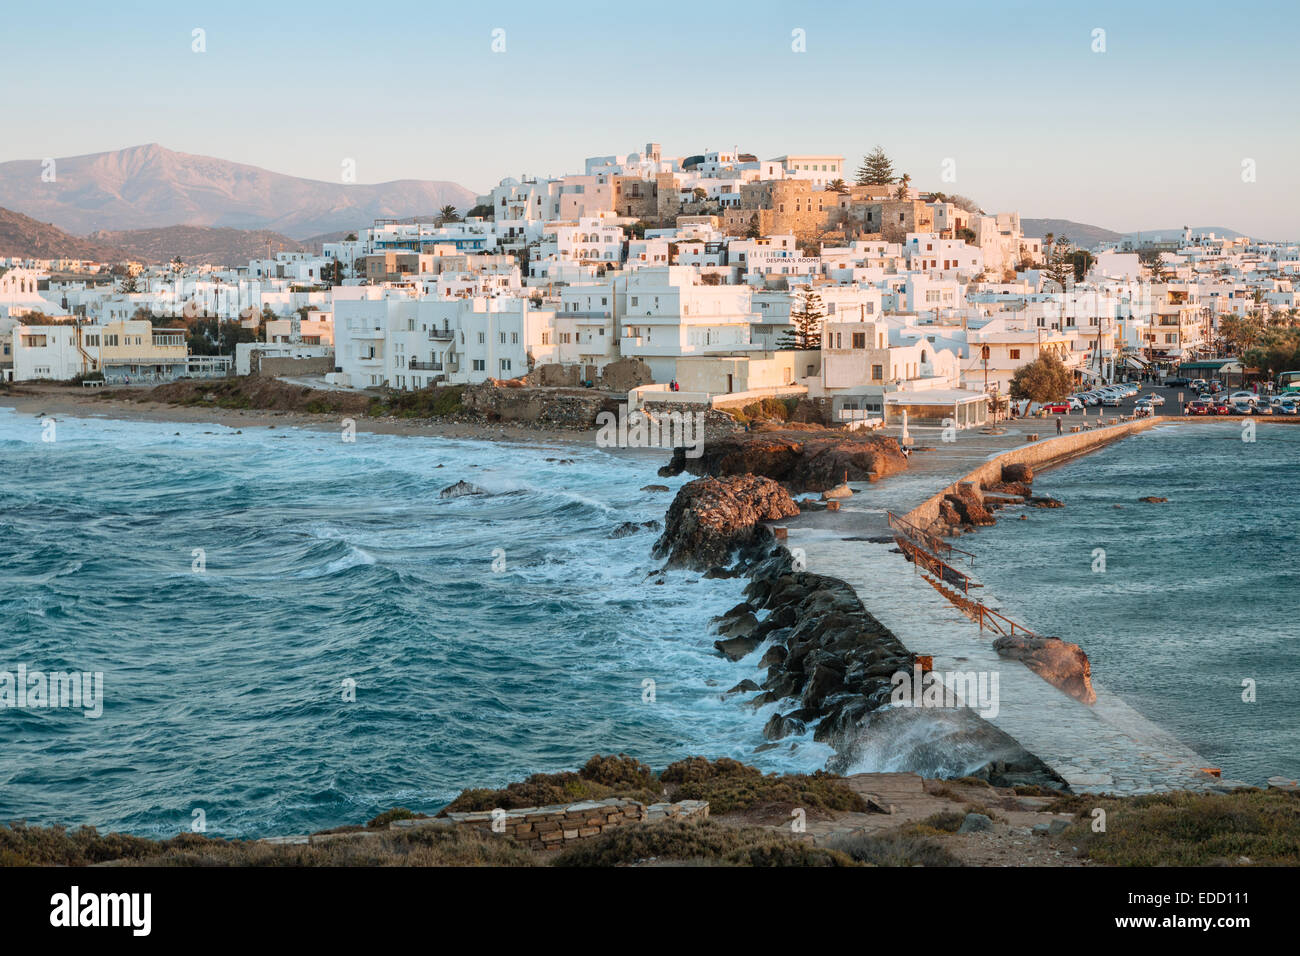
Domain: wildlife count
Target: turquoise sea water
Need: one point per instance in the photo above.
(1196, 596)
(325, 562)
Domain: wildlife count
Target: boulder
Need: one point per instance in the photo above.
(779, 726)
(1043, 501)
(1018, 472)
(632, 527)
(1153, 500)
(655, 488)
(815, 460)
(459, 489)
(711, 518)
(1060, 663)
(737, 647)
(975, 823)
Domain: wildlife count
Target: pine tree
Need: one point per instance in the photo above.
(806, 316)
(876, 169)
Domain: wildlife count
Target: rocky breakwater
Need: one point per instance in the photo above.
(711, 519)
(970, 505)
(803, 458)
(823, 650)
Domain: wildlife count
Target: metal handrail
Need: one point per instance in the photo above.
(925, 539)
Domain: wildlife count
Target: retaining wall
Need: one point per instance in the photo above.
(1039, 454)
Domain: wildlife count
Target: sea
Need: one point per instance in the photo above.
(1189, 610)
(296, 632)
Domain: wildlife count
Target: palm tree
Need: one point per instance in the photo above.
(903, 181)
(448, 214)
(837, 185)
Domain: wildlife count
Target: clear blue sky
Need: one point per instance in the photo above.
(1149, 134)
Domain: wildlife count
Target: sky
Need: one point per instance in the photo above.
(1179, 113)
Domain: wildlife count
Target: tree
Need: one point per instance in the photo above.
(1082, 260)
(129, 283)
(1045, 379)
(1241, 332)
(876, 169)
(699, 194)
(1060, 264)
(838, 185)
(448, 214)
(214, 336)
(1277, 350)
(482, 211)
(965, 202)
(806, 316)
(752, 232)
(903, 182)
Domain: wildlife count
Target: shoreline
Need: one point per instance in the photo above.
(54, 400)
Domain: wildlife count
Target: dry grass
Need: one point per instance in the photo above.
(733, 787)
(705, 842)
(1187, 829)
(429, 846)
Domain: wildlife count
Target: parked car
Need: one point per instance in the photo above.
(1221, 408)
(1198, 408)
(1113, 400)
(1287, 408)
(1250, 397)
(1155, 398)
(1057, 408)
(1177, 382)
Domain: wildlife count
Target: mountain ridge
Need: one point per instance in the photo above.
(152, 187)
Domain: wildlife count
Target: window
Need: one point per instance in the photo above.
(1015, 353)
(505, 365)
(546, 338)
(859, 340)
(481, 338)
(877, 373)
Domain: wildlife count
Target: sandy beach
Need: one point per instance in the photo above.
(40, 400)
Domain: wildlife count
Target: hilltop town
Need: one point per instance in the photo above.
(715, 278)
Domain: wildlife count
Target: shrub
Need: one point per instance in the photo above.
(729, 785)
(892, 849)
(702, 842)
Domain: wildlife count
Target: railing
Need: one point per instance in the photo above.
(945, 572)
(995, 621)
(442, 335)
(924, 539)
(425, 366)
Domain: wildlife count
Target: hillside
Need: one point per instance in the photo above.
(26, 237)
(150, 187)
(1079, 233)
(197, 245)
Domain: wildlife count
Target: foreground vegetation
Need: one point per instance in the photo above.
(1260, 827)
(1248, 827)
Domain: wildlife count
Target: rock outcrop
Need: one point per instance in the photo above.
(712, 518)
(816, 460)
(1058, 662)
(460, 489)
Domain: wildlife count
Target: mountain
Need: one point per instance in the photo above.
(25, 237)
(1080, 234)
(150, 187)
(199, 244)
(1177, 233)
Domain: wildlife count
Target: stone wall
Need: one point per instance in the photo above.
(556, 826)
(274, 366)
(562, 408)
(1039, 454)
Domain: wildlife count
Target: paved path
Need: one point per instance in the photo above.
(1106, 748)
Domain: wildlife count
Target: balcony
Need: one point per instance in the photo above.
(441, 335)
(417, 365)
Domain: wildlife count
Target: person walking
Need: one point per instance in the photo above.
(1058, 424)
